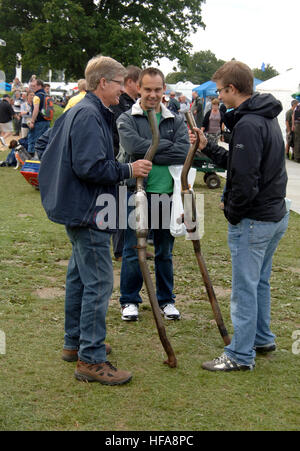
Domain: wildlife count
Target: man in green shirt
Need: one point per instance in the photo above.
(135, 138)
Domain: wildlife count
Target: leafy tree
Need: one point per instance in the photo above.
(65, 34)
(175, 77)
(269, 72)
(197, 68)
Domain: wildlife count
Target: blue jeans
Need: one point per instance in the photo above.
(131, 280)
(34, 134)
(252, 245)
(89, 284)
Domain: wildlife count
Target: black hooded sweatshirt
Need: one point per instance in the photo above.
(256, 173)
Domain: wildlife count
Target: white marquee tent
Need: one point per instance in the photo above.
(282, 87)
(182, 87)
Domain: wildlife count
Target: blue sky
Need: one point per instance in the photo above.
(252, 31)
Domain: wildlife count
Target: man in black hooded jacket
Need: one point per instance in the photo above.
(255, 207)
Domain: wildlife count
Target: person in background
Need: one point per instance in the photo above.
(184, 106)
(10, 159)
(31, 80)
(296, 130)
(289, 127)
(26, 113)
(17, 102)
(213, 122)
(6, 117)
(174, 104)
(77, 97)
(47, 89)
(16, 85)
(38, 125)
(197, 109)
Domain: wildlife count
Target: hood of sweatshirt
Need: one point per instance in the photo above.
(260, 104)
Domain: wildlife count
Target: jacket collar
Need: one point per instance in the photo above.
(94, 99)
(137, 110)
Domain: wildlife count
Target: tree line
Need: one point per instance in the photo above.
(62, 35)
(200, 67)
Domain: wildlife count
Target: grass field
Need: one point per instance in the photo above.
(38, 390)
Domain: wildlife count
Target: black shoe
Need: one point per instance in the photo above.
(265, 349)
(224, 363)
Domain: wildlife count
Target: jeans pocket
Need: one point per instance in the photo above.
(261, 232)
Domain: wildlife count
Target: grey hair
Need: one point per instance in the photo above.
(102, 67)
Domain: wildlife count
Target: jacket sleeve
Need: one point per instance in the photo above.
(42, 142)
(174, 151)
(92, 153)
(218, 154)
(245, 173)
(171, 150)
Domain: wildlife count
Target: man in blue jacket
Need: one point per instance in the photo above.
(135, 138)
(77, 180)
(255, 207)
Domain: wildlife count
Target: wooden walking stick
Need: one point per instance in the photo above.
(190, 219)
(142, 233)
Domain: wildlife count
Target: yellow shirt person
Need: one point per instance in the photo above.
(78, 97)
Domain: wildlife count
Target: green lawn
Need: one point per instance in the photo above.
(38, 389)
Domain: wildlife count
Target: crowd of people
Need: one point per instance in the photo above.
(100, 141)
(21, 111)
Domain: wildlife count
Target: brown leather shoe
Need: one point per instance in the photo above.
(104, 372)
(72, 355)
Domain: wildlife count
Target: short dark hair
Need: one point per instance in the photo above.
(152, 71)
(133, 73)
(237, 74)
(39, 82)
(13, 144)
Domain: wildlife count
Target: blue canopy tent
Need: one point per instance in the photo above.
(5, 86)
(208, 89)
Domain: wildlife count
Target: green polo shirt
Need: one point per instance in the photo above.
(159, 180)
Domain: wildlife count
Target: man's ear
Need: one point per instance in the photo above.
(234, 89)
(102, 82)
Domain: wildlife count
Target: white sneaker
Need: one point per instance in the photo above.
(130, 312)
(3, 142)
(170, 311)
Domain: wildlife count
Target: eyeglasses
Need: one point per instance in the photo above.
(121, 83)
(218, 91)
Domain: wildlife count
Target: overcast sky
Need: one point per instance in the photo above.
(252, 31)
